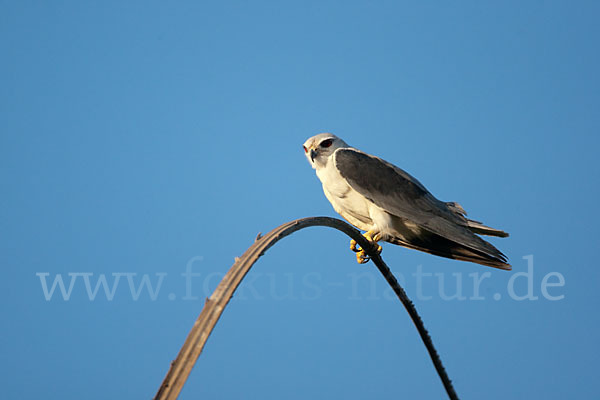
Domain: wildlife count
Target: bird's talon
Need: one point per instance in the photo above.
(362, 257)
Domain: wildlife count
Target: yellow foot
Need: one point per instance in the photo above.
(361, 255)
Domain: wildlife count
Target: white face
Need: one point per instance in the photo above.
(318, 148)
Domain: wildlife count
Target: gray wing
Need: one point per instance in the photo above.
(402, 195)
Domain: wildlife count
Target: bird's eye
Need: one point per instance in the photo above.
(305, 149)
(326, 143)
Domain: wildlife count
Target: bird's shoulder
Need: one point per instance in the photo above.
(368, 170)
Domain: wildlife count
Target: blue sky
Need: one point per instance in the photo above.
(139, 138)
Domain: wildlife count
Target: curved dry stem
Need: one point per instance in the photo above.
(216, 303)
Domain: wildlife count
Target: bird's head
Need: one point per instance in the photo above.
(318, 148)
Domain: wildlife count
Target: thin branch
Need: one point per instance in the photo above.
(216, 303)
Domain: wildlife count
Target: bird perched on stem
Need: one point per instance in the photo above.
(392, 206)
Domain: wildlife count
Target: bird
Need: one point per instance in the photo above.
(392, 206)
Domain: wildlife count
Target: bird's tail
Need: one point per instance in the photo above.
(474, 226)
(478, 227)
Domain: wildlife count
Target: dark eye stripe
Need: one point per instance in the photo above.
(326, 143)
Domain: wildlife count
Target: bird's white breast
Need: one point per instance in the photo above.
(346, 201)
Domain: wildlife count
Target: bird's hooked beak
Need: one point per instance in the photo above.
(313, 154)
